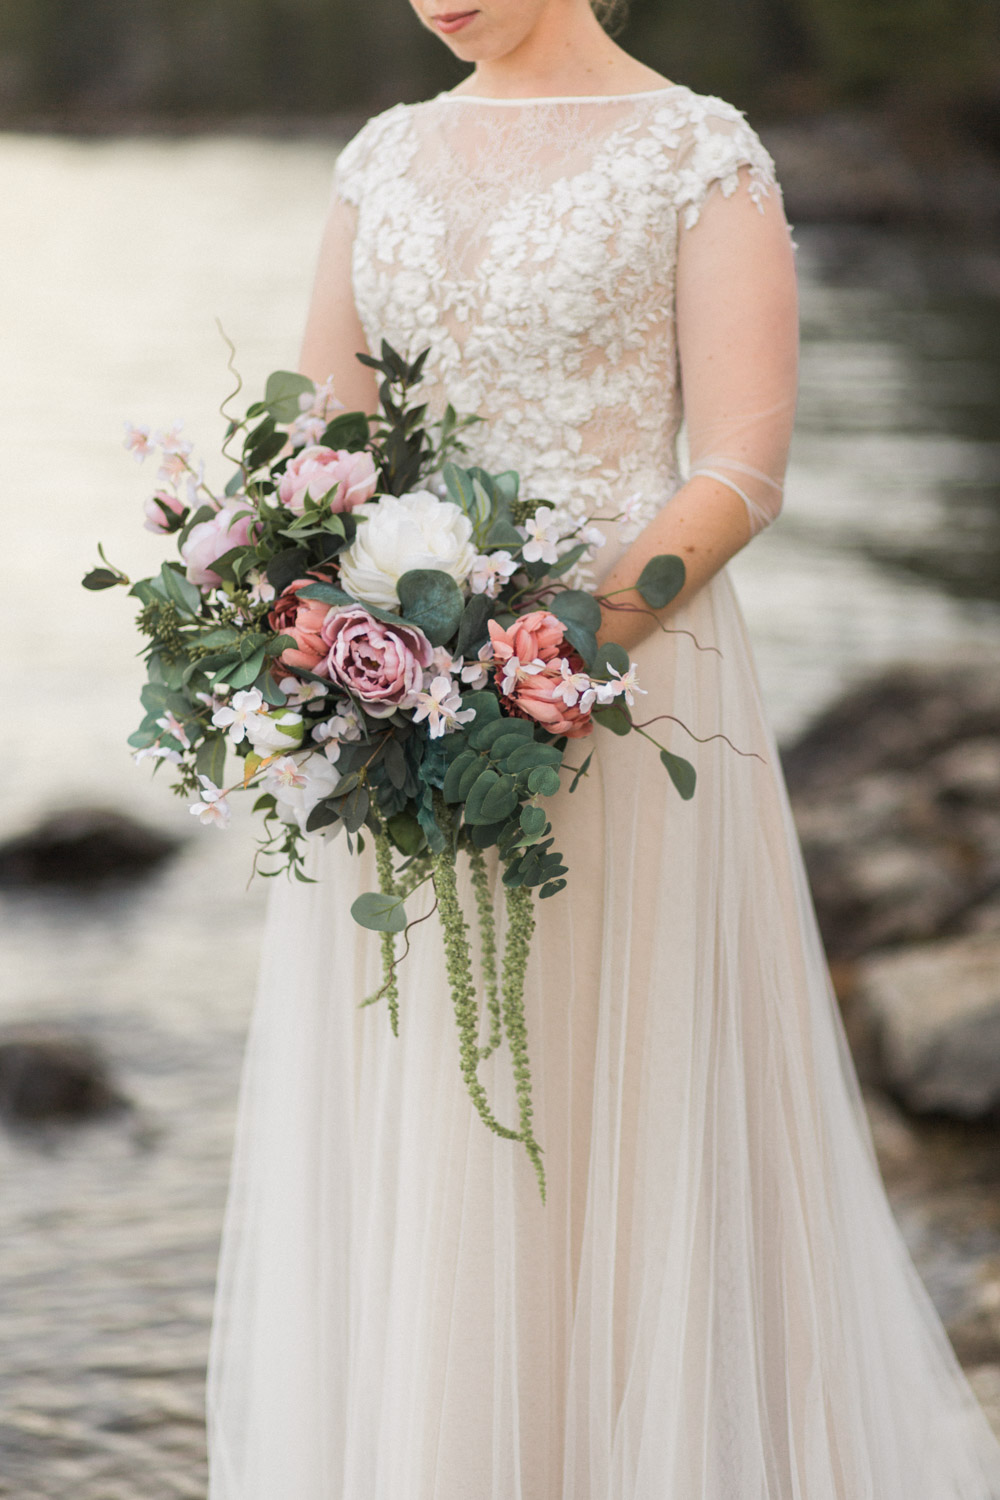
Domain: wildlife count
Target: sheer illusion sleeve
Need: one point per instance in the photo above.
(737, 313)
(333, 333)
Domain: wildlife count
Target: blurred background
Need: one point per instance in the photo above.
(165, 165)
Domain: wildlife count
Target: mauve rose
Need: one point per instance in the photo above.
(381, 664)
(535, 698)
(211, 539)
(303, 620)
(538, 634)
(343, 479)
(155, 519)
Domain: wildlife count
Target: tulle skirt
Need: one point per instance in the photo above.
(714, 1303)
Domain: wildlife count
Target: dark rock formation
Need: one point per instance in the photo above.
(48, 1075)
(896, 792)
(83, 848)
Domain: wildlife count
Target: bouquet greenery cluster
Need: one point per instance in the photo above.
(383, 641)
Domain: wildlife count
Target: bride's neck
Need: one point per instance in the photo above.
(566, 53)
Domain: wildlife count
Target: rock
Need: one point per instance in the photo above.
(84, 847)
(47, 1075)
(935, 1009)
(896, 793)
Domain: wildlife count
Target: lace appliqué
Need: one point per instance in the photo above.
(534, 250)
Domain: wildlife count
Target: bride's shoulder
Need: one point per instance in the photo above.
(710, 141)
(379, 144)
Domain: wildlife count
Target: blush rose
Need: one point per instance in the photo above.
(302, 619)
(210, 540)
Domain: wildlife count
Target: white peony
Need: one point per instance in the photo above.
(402, 532)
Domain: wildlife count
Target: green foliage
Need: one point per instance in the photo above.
(681, 772)
(661, 580)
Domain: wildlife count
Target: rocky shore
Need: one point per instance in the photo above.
(896, 793)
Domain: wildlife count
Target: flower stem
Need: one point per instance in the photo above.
(387, 886)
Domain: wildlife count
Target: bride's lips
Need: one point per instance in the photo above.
(454, 20)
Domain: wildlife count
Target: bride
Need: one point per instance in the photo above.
(714, 1303)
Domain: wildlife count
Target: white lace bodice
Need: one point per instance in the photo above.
(532, 244)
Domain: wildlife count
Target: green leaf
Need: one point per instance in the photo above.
(282, 392)
(455, 772)
(483, 736)
(485, 782)
(431, 600)
(500, 801)
(379, 913)
(406, 833)
(504, 533)
(528, 756)
(101, 578)
(615, 717)
(470, 775)
(682, 773)
(661, 580)
(210, 759)
(323, 815)
(349, 429)
(610, 655)
(533, 820)
(472, 631)
(486, 834)
(551, 888)
(329, 593)
(566, 561)
(583, 640)
(573, 606)
(247, 672)
(223, 635)
(395, 762)
(186, 597)
(486, 705)
(458, 483)
(544, 781)
(508, 743)
(285, 566)
(507, 485)
(581, 772)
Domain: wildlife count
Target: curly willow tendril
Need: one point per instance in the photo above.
(488, 944)
(387, 885)
(520, 927)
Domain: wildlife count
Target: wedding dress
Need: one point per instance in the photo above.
(714, 1303)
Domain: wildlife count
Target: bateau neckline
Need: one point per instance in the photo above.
(669, 88)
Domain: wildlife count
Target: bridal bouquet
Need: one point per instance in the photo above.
(375, 638)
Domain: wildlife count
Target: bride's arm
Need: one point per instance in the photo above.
(737, 337)
(333, 332)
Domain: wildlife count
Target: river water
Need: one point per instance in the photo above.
(118, 259)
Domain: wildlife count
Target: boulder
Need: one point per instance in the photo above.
(82, 848)
(896, 794)
(935, 1013)
(48, 1075)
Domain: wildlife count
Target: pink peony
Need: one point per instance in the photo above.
(209, 540)
(303, 619)
(343, 479)
(155, 519)
(381, 664)
(532, 637)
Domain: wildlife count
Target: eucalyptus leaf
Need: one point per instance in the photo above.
(486, 705)
(247, 672)
(615, 717)
(455, 772)
(682, 773)
(533, 820)
(470, 775)
(500, 801)
(281, 395)
(530, 755)
(610, 655)
(574, 606)
(431, 600)
(544, 781)
(472, 630)
(551, 888)
(661, 580)
(484, 783)
(379, 913)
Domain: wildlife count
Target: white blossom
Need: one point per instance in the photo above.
(233, 717)
(515, 671)
(213, 807)
(300, 690)
(442, 708)
(541, 534)
(490, 571)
